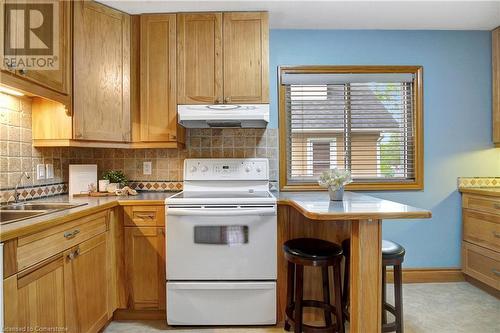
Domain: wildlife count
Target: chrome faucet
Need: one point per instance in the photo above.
(16, 193)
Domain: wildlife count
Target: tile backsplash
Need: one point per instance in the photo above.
(17, 154)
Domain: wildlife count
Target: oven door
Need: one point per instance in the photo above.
(221, 242)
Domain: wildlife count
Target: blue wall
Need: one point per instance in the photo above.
(457, 118)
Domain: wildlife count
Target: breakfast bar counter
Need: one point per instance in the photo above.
(358, 217)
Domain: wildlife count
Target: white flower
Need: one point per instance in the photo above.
(335, 178)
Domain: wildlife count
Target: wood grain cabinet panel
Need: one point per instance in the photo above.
(146, 216)
(41, 245)
(158, 111)
(481, 238)
(101, 100)
(145, 267)
(496, 85)
(199, 58)
(35, 298)
(59, 79)
(482, 229)
(246, 63)
(86, 285)
(482, 264)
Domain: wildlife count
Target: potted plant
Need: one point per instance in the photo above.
(116, 179)
(335, 180)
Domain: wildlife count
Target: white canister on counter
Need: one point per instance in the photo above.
(103, 185)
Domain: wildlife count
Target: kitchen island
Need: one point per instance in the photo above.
(358, 217)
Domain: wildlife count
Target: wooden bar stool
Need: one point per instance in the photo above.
(302, 252)
(392, 255)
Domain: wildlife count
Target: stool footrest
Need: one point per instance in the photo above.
(389, 327)
(309, 303)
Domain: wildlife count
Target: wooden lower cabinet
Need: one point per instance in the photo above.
(67, 292)
(86, 285)
(481, 238)
(145, 267)
(35, 298)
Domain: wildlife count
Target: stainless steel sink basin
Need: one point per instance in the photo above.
(16, 212)
(40, 206)
(7, 216)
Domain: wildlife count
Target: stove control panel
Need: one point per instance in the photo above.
(226, 169)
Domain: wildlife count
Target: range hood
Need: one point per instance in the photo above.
(223, 116)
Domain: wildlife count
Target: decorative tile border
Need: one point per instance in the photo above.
(156, 186)
(42, 191)
(34, 192)
(474, 182)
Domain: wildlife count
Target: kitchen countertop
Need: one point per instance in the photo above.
(313, 205)
(93, 204)
(492, 191)
(356, 206)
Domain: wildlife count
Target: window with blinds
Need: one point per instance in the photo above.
(365, 122)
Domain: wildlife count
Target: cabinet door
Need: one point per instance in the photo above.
(101, 46)
(36, 298)
(496, 85)
(145, 267)
(199, 58)
(86, 281)
(246, 39)
(158, 79)
(60, 79)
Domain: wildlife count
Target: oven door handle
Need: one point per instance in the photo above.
(220, 212)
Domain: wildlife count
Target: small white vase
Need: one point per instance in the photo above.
(112, 187)
(103, 185)
(336, 194)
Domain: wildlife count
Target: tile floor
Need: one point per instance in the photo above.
(428, 308)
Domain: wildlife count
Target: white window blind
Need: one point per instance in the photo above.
(361, 122)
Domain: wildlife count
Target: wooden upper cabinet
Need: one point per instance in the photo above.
(54, 84)
(496, 86)
(101, 92)
(246, 63)
(60, 79)
(158, 110)
(199, 60)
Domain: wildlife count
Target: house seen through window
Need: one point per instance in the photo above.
(365, 122)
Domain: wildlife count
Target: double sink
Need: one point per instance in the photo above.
(17, 212)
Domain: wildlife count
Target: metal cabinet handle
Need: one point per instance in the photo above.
(227, 100)
(145, 216)
(74, 254)
(496, 234)
(71, 234)
(218, 101)
(496, 272)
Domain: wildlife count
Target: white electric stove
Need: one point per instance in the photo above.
(221, 245)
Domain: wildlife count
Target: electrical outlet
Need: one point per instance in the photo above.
(147, 168)
(40, 171)
(49, 171)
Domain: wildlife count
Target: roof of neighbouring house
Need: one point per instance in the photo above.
(328, 114)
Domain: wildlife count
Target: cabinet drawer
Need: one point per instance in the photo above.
(482, 264)
(481, 203)
(482, 229)
(144, 216)
(36, 247)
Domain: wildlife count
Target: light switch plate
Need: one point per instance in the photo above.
(147, 168)
(49, 171)
(40, 171)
